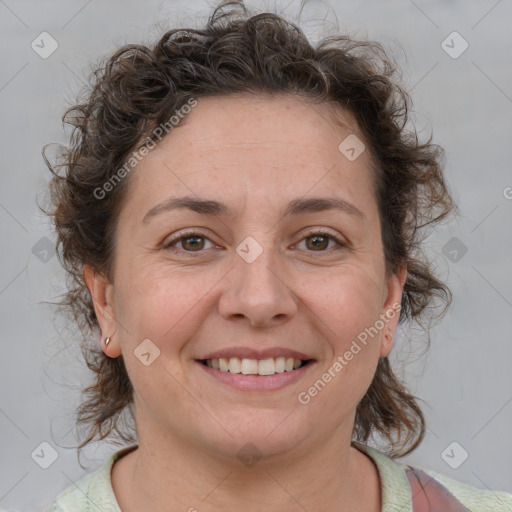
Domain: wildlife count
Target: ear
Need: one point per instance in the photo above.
(391, 309)
(102, 294)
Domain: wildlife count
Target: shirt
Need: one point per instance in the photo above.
(401, 490)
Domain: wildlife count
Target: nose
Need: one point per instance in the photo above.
(258, 292)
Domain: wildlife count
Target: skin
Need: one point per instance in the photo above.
(255, 153)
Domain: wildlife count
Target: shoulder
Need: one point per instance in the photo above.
(92, 492)
(412, 489)
(475, 499)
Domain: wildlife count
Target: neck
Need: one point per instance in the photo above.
(333, 476)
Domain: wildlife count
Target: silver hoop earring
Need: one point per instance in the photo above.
(107, 341)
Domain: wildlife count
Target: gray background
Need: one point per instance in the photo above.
(465, 378)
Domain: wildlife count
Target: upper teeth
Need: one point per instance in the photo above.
(254, 366)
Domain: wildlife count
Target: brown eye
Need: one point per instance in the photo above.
(192, 243)
(189, 242)
(320, 242)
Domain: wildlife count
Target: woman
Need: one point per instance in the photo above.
(239, 215)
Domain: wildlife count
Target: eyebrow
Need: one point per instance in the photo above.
(214, 208)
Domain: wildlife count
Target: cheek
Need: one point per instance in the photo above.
(165, 308)
(349, 308)
(163, 304)
(339, 384)
(348, 300)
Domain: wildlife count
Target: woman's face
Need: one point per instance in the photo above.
(275, 253)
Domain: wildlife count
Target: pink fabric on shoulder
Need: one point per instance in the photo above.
(428, 495)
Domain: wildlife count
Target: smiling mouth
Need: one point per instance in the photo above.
(262, 367)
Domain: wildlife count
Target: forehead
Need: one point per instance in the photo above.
(258, 145)
(247, 122)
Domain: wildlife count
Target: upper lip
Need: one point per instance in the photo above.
(251, 353)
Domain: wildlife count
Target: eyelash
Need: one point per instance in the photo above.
(307, 234)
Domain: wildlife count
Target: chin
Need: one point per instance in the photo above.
(256, 434)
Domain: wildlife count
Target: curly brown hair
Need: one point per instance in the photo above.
(139, 87)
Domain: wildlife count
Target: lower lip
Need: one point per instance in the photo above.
(257, 382)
